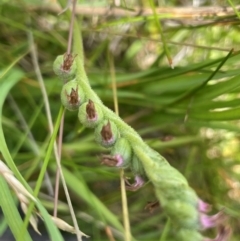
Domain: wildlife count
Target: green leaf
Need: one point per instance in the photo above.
(7, 81)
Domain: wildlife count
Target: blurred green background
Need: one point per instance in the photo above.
(190, 114)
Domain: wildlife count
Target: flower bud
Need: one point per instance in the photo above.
(137, 166)
(90, 114)
(123, 152)
(106, 133)
(65, 66)
(72, 95)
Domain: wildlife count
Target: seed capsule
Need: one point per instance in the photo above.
(106, 133)
(65, 66)
(137, 167)
(90, 114)
(72, 95)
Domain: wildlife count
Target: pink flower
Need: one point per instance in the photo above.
(212, 221)
(203, 206)
(136, 185)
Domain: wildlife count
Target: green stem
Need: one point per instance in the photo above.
(43, 169)
(10, 211)
(159, 25)
(234, 8)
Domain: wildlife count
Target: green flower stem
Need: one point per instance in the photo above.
(159, 26)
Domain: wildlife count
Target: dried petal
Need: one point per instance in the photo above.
(136, 185)
(17, 186)
(22, 198)
(4, 168)
(65, 226)
(33, 218)
(151, 206)
(212, 221)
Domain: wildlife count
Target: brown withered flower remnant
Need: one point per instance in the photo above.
(90, 109)
(139, 182)
(151, 206)
(73, 97)
(106, 132)
(68, 61)
(108, 160)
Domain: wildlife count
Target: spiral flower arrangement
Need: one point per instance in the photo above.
(127, 150)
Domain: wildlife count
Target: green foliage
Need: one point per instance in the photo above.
(196, 131)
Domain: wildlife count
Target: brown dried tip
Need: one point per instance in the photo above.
(73, 97)
(106, 132)
(108, 160)
(134, 186)
(68, 61)
(90, 109)
(151, 206)
(224, 234)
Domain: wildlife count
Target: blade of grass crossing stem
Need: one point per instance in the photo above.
(226, 115)
(165, 230)
(234, 8)
(194, 90)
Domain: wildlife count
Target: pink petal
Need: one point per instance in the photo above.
(119, 160)
(136, 185)
(203, 206)
(212, 221)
